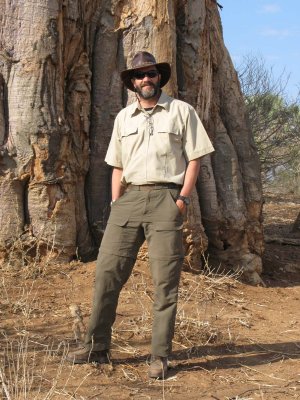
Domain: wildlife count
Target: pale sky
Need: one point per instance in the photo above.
(270, 29)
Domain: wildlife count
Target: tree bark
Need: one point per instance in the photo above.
(296, 226)
(60, 91)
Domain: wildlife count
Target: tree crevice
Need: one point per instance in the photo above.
(59, 102)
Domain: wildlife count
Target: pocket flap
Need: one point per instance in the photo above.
(117, 220)
(130, 130)
(168, 226)
(122, 221)
(168, 128)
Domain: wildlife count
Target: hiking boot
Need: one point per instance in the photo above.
(158, 367)
(86, 356)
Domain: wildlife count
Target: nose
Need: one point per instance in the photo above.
(146, 78)
(147, 81)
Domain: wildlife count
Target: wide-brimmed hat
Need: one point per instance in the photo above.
(144, 59)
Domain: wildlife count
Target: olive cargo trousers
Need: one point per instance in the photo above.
(141, 213)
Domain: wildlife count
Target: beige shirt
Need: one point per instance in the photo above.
(156, 147)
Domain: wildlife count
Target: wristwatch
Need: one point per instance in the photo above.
(185, 199)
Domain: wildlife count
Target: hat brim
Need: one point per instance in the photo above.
(163, 68)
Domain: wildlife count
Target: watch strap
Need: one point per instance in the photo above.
(185, 199)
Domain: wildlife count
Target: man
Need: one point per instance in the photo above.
(155, 149)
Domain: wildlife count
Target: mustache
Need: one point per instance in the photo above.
(148, 84)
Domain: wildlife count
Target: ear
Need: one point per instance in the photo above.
(159, 78)
(133, 81)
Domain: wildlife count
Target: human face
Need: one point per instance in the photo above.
(146, 87)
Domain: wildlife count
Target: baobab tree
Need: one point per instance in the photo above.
(60, 91)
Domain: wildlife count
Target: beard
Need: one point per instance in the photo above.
(148, 91)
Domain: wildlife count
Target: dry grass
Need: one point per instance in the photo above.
(32, 370)
(29, 369)
(210, 311)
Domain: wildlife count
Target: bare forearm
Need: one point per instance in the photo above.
(117, 188)
(190, 179)
(191, 176)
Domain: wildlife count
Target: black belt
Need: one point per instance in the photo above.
(154, 186)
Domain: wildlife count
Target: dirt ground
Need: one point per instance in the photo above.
(233, 340)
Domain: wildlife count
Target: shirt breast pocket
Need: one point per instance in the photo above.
(170, 139)
(131, 139)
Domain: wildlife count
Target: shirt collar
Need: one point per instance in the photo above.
(163, 101)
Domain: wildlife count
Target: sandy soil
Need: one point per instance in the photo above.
(233, 341)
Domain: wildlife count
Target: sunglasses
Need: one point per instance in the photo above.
(141, 75)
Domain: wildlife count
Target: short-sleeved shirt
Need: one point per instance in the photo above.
(157, 146)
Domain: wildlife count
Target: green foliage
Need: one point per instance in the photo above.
(275, 125)
(274, 119)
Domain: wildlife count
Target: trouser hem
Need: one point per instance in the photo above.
(96, 347)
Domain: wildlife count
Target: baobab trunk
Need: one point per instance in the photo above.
(59, 94)
(296, 226)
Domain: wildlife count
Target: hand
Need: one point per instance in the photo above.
(181, 205)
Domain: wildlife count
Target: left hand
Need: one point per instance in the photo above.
(181, 205)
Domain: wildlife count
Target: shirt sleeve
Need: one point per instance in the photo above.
(196, 141)
(114, 152)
